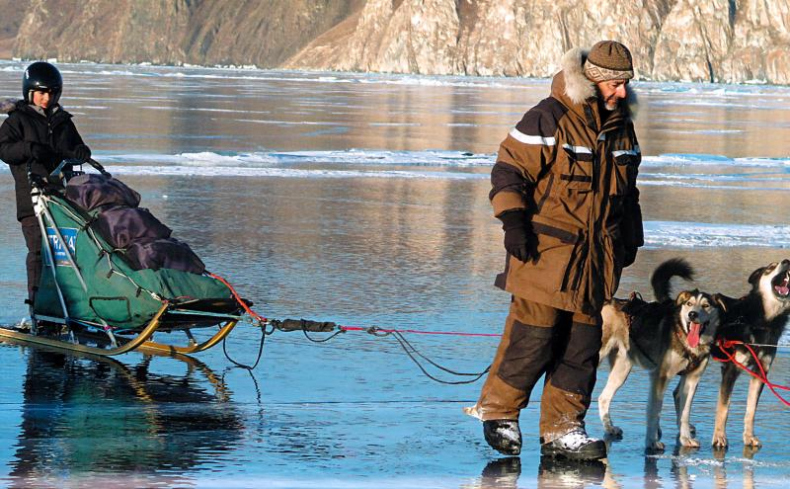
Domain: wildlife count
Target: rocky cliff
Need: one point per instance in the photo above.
(700, 40)
(226, 32)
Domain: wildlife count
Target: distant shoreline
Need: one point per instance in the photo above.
(5, 57)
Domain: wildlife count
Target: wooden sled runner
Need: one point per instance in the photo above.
(82, 340)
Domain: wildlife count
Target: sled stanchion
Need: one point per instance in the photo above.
(186, 350)
(221, 334)
(52, 265)
(141, 338)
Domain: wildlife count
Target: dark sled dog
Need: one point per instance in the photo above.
(758, 318)
(668, 338)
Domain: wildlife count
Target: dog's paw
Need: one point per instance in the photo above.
(750, 452)
(654, 447)
(751, 441)
(689, 442)
(719, 440)
(613, 432)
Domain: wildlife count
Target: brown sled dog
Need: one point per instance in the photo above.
(666, 337)
(758, 318)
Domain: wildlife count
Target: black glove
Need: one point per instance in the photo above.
(37, 181)
(517, 236)
(42, 152)
(81, 152)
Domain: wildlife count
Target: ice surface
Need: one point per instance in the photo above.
(696, 234)
(363, 199)
(444, 158)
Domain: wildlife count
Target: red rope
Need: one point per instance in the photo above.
(416, 331)
(262, 319)
(724, 345)
(238, 298)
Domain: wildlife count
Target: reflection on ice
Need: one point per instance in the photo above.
(195, 171)
(685, 471)
(447, 158)
(444, 158)
(87, 417)
(694, 160)
(696, 234)
(716, 131)
(459, 159)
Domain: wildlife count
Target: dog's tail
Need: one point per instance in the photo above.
(675, 267)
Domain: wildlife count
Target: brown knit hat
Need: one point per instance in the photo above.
(609, 60)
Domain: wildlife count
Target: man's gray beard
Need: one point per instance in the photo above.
(610, 108)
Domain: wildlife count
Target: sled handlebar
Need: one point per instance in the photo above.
(98, 166)
(59, 169)
(73, 161)
(37, 180)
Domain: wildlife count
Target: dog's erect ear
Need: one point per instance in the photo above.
(723, 301)
(683, 297)
(755, 276)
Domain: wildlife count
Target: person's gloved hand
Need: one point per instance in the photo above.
(37, 181)
(81, 152)
(42, 152)
(517, 236)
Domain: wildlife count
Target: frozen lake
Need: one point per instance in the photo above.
(362, 199)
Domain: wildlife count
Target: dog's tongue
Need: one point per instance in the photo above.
(783, 288)
(693, 336)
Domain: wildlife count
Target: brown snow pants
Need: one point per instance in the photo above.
(538, 340)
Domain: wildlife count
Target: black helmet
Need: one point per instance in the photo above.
(44, 77)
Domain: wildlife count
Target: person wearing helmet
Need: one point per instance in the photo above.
(39, 132)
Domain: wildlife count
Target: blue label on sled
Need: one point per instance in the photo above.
(58, 248)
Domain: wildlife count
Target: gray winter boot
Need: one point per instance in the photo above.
(575, 445)
(503, 435)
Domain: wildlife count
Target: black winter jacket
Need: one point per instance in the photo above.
(25, 126)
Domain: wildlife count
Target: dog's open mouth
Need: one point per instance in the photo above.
(695, 330)
(781, 285)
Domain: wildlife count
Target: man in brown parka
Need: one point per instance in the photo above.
(564, 187)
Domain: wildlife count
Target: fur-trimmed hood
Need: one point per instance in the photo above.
(9, 105)
(575, 89)
(12, 104)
